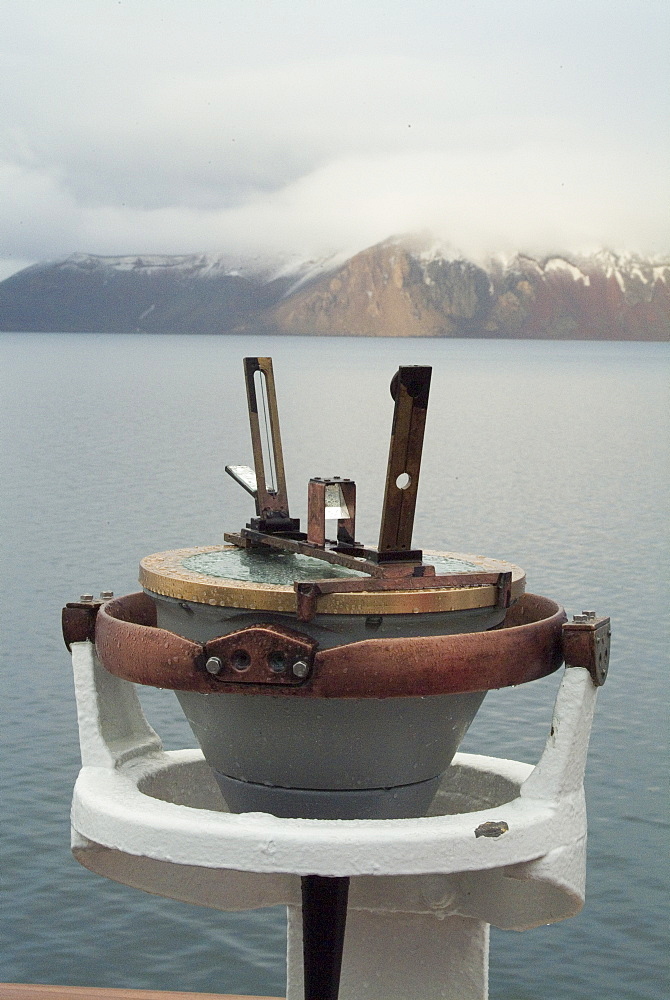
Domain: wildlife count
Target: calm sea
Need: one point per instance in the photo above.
(551, 455)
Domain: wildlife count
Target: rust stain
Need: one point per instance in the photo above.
(493, 828)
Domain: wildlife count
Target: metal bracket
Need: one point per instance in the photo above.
(308, 593)
(504, 587)
(260, 654)
(78, 620)
(586, 643)
(331, 500)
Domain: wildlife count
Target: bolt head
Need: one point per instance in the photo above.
(300, 669)
(214, 665)
(86, 598)
(106, 595)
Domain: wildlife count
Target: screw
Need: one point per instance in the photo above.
(86, 598)
(106, 594)
(300, 668)
(214, 665)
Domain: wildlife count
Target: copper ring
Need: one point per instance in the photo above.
(526, 646)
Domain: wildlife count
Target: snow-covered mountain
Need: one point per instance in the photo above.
(192, 293)
(405, 286)
(204, 266)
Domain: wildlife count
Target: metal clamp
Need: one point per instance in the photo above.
(260, 654)
(423, 578)
(78, 617)
(586, 643)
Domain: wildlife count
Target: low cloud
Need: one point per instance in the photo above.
(533, 198)
(148, 130)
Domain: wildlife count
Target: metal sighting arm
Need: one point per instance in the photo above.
(272, 497)
(273, 524)
(266, 481)
(409, 388)
(394, 565)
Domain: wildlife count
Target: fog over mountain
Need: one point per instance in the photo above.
(411, 286)
(175, 128)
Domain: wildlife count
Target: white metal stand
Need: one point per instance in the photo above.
(504, 845)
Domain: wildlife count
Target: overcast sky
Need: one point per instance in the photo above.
(174, 126)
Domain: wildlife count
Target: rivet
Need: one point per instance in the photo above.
(300, 668)
(214, 665)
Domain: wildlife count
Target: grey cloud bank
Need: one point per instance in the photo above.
(169, 127)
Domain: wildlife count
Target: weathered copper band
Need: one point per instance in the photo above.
(526, 646)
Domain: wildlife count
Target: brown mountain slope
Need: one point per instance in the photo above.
(385, 291)
(390, 290)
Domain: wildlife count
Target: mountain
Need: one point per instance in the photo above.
(197, 293)
(393, 289)
(403, 287)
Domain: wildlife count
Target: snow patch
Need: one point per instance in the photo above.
(200, 266)
(558, 264)
(305, 270)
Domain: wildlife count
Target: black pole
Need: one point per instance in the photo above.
(324, 915)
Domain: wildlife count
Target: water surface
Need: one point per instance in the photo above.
(553, 456)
